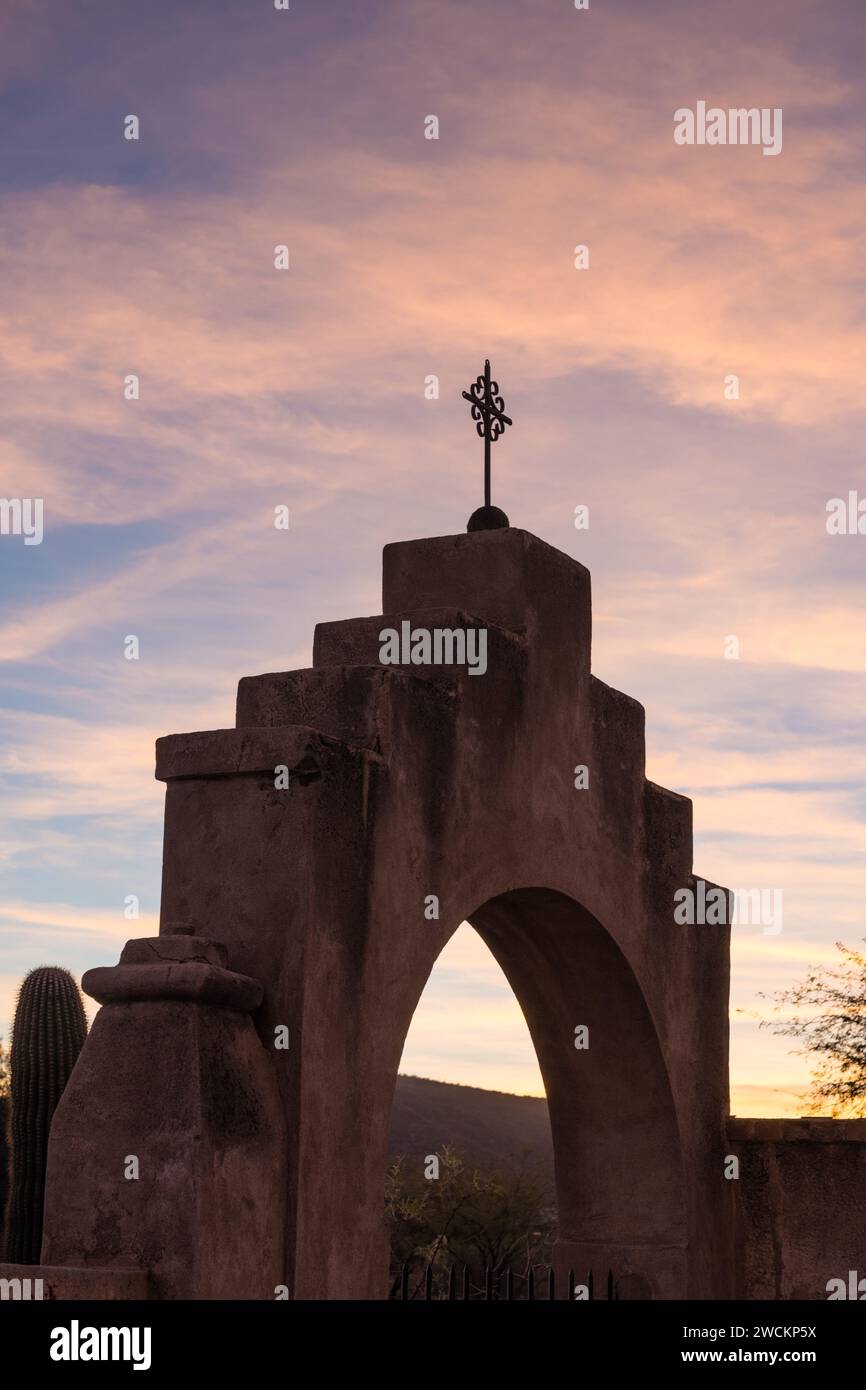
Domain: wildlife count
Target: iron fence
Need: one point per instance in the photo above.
(500, 1285)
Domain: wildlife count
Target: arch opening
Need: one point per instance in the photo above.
(617, 1163)
(470, 1191)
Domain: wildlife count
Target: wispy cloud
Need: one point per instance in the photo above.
(305, 388)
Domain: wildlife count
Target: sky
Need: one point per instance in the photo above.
(411, 257)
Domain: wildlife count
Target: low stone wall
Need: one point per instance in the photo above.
(802, 1207)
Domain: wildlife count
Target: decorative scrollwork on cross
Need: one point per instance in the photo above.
(488, 412)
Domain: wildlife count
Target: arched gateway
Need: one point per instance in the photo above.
(304, 914)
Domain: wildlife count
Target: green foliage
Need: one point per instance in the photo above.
(833, 1030)
(47, 1036)
(466, 1216)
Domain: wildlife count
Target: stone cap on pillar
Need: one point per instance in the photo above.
(173, 967)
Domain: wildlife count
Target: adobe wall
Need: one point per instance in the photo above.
(802, 1205)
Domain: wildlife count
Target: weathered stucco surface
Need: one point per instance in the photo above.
(802, 1213)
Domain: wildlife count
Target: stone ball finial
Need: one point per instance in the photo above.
(487, 519)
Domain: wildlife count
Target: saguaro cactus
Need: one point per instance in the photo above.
(47, 1036)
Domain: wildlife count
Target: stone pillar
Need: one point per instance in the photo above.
(173, 1084)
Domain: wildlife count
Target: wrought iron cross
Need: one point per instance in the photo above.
(489, 416)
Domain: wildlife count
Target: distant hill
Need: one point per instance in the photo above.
(491, 1128)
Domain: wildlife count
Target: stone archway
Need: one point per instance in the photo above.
(414, 783)
(616, 1144)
